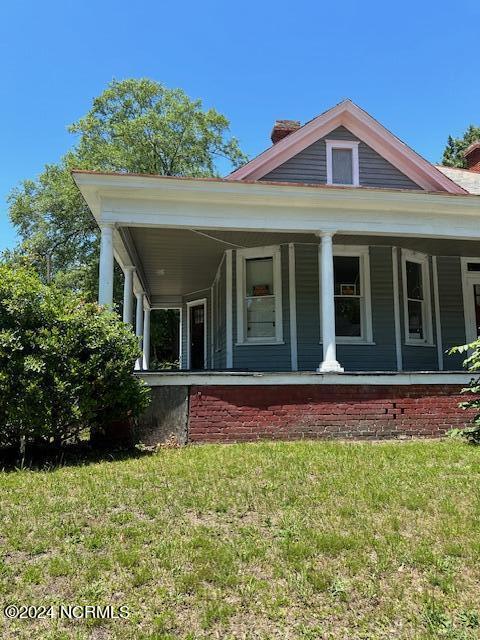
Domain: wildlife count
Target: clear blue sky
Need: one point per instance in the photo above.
(412, 65)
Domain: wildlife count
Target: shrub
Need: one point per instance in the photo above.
(65, 365)
(472, 363)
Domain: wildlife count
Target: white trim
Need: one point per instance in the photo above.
(469, 278)
(438, 319)
(363, 253)
(212, 327)
(396, 309)
(210, 204)
(229, 309)
(343, 144)
(292, 294)
(423, 261)
(252, 253)
(298, 378)
(189, 305)
(140, 297)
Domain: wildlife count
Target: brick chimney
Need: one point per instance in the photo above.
(472, 156)
(283, 128)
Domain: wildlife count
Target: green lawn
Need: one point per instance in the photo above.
(285, 540)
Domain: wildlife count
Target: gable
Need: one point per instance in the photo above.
(310, 166)
(393, 160)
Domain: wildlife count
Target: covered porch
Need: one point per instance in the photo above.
(306, 311)
(286, 278)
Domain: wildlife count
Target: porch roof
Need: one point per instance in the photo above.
(175, 230)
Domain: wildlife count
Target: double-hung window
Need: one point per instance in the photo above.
(342, 162)
(259, 297)
(416, 298)
(351, 275)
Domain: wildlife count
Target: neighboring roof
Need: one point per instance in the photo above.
(369, 130)
(469, 180)
(472, 147)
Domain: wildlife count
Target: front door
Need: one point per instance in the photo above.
(197, 336)
(472, 300)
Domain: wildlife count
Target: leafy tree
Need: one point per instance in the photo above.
(472, 364)
(135, 125)
(140, 126)
(65, 365)
(453, 153)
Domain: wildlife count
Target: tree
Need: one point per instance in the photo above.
(135, 125)
(65, 365)
(453, 153)
(140, 126)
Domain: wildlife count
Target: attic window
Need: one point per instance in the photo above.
(342, 162)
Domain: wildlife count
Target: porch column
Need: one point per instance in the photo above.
(146, 338)
(139, 325)
(128, 295)
(105, 279)
(329, 364)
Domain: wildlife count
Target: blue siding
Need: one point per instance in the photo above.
(451, 308)
(353, 357)
(310, 165)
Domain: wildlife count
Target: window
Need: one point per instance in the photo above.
(416, 296)
(342, 162)
(259, 303)
(351, 289)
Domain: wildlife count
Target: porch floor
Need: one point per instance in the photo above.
(219, 378)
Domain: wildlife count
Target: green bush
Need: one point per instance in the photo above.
(65, 365)
(472, 363)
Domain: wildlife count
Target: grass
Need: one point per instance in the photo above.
(286, 540)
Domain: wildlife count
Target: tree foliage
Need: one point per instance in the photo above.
(453, 153)
(135, 125)
(472, 364)
(65, 365)
(140, 126)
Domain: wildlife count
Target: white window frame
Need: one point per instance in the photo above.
(363, 253)
(423, 260)
(197, 303)
(343, 144)
(242, 256)
(469, 278)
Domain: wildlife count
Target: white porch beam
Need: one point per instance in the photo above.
(105, 276)
(128, 294)
(139, 325)
(146, 338)
(330, 363)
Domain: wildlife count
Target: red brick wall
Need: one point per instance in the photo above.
(239, 413)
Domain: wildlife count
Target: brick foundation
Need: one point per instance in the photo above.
(287, 412)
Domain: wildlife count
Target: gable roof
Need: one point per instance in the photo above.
(369, 130)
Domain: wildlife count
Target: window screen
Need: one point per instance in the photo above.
(348, 296)
(342, 166)
(259, 298)
(415, 300)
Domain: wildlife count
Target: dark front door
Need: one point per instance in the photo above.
(197, 337)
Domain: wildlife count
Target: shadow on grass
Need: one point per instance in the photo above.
(49, 458)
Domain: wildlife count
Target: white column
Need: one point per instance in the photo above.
(105, 276)
(139, 326)
(128, 295)
(146, 338)
(329, 364)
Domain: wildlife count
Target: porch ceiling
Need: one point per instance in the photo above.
(180, 261)
(176, 262)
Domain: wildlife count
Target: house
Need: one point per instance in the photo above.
(321, 285)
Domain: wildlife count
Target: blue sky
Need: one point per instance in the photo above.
(412, 65)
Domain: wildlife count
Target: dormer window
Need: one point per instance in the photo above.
(342, 162)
